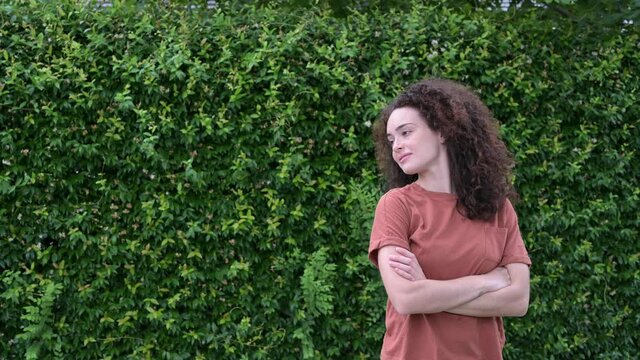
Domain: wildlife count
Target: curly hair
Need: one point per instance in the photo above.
(479, 162)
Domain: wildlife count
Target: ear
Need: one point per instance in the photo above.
(442, 139)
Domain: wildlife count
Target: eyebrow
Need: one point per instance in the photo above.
(400, 127)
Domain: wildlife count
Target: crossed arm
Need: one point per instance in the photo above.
(503, 291)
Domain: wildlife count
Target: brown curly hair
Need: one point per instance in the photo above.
(479, 162)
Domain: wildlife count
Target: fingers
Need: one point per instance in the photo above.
(405, 264)
(500, 270)
(400, 259)
(500, 275)
(400, 265)
(404, 256)
(404, 252)
(403, 273)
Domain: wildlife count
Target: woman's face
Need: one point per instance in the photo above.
(415, 147)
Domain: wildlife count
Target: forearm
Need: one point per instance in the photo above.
(433, 296)
(504, 302)
(426, 296)
(512, 300)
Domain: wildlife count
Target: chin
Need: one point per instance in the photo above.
(409, 172)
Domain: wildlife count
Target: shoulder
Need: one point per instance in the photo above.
(507, 213)
(395, 197)
(394, 202)
(507, 207)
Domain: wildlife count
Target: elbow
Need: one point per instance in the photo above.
(402, 308)
(521, 307)
(520, 311)
(409, 303)
(405, 301)
(402, 305)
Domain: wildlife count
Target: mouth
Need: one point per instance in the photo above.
(403, 158)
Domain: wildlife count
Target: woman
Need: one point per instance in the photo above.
(445, 237)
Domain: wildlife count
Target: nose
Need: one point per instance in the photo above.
(396, 145)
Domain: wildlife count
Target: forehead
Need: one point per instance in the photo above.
(404, 116)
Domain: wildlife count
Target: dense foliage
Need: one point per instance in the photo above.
(200, 184)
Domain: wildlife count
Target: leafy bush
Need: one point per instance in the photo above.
(200, 184)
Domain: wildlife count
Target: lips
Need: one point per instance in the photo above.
(403, 157)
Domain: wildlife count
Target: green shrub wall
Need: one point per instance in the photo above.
(180, 184)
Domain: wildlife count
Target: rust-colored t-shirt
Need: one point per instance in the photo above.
(447, 246)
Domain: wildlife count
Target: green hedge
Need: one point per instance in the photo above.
(200, 184)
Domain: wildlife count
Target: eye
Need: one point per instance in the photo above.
(405, 133)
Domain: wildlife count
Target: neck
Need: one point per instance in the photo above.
(435, 185)
(437, 179)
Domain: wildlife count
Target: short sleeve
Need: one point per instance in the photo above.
(514, 251)
(390, 225)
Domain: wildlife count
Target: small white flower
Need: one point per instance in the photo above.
(6, 162)
(434, 42)
(367, 123)
(19, 217)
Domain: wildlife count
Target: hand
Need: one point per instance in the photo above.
(497, 279)
(405, 264)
